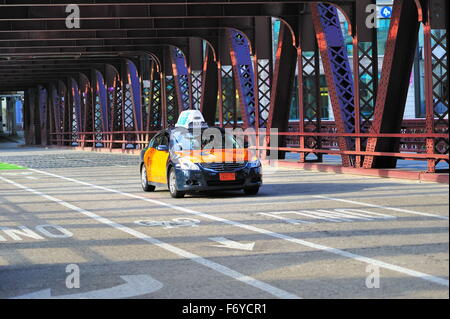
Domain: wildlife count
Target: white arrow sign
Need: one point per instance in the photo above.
(135, 285)
(226, 243)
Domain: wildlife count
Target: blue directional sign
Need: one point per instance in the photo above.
(386, 12)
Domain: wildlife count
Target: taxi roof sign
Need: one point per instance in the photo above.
(190, 118)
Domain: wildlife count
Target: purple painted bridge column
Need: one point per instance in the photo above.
(244, 75)
(337, 71)
(182, 79)
(103, 101)
(135, 85)
(43, 108)
(77, 106)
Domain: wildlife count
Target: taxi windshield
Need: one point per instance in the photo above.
(211, 138)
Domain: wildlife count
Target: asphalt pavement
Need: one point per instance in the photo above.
(77, 225)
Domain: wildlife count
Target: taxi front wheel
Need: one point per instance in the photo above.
(251, 190)
(144, 181)
(173, 185)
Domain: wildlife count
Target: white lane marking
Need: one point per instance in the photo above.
(274, 291)
(136, 285)
(407, 211)
(335, 216)
(343, 253)
(227, 243)
(318, 215)
(343, 216)
(16, 174)
(289, 220)
(365, 214)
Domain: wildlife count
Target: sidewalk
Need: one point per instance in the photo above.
(412, 170)
(11, 142)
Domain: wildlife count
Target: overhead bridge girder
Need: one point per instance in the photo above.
(133, 67)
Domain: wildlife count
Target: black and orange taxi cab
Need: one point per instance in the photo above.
(192, 157)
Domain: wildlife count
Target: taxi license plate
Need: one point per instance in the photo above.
(227, 176)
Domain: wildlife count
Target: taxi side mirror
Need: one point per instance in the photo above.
(163, 148)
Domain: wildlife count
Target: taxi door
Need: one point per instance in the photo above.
(156, 160)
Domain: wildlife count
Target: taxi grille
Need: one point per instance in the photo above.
(224, 167)
(226, 183)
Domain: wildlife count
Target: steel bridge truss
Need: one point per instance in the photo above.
(113, 85)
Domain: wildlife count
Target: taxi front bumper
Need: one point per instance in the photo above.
(207, 179)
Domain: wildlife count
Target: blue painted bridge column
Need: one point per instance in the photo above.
(132, 104)
(103, 100)
(56, 111)
(182, 79)
(337, 71)
(244, 75)
(43, 108)
(101, 114)
(136, 98)
(76, 115)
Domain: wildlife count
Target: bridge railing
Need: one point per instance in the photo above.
(412, 142)
(409, 142)
(105, 140)
(405, 155)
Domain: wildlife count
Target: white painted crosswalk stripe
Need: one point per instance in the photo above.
(345, 215)
(322, 215)
(395, 209)
(317, 215)
(289, 220)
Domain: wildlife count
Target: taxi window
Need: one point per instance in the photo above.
(164, 140)
(155, 141)
(185, 140)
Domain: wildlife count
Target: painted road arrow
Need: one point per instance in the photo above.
(135, 285)
(226, 243)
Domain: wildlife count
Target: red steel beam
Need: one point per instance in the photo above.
(393, 86)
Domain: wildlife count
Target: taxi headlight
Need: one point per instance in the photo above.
(254, 164)
(188, 165)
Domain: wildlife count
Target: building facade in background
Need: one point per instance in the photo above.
(11, 113)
